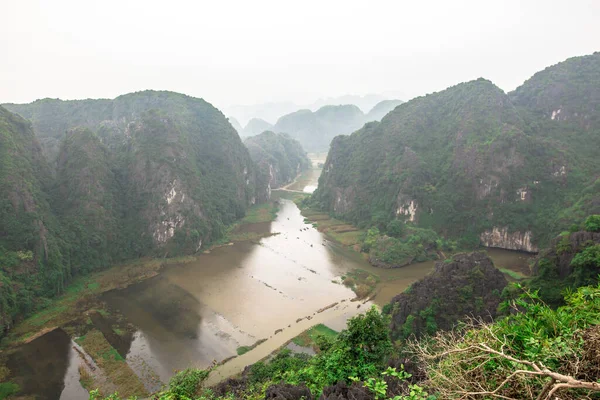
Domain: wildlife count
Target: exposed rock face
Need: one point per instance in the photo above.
(501, 238)
(288, 392)
(341, 391)
(468, 285)
(343, 200)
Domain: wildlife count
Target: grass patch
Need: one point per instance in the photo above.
(346, 238)
(245, 236)
(261, 213)
(363, 283)
(293, 196)
(85, 379)
(111, 362)
(244, 349)
(308, 337)
(7, 389)
(81, 296)
(336, 230)
(513, 275)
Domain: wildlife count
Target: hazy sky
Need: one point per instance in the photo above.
(252, 51)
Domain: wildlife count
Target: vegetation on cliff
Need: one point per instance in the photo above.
(465, 286)
(472, 158)
(279, 158)
(147, 173)
(571, 261)
(32, 251)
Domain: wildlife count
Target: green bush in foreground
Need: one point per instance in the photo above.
(533, 353)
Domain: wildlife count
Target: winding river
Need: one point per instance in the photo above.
(199, 313)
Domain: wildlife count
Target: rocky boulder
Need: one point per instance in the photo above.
(467, 285)
(288, 392)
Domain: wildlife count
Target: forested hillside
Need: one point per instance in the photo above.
(279, 157)
(476, 164)
(145, 174)
(32, 253)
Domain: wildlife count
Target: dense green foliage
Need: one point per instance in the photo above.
(32, 252)
(481, 358)
(572, 261)
(468, 285)
(279, 158)
(471, 158)
(403, 245)
(592, 223)
(146, 173)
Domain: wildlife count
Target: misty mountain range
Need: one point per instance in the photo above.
(272, 111)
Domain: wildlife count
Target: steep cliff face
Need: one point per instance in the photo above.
(501, 238)
(86, 200)
(146, 173)
(457, 161)
(468, 285)
(181, 166)
(471, 164)
(279, 157)
(31, 251)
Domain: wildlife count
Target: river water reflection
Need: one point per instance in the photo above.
(199, 313)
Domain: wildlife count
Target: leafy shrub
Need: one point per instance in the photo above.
(185, 383)
(395, 228)
(480, 359)
(592, 223)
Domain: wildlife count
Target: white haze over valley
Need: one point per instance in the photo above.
(278, 55)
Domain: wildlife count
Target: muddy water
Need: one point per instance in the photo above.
(200, 313)
(47, 368)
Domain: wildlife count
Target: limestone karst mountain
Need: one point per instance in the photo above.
(474, 163)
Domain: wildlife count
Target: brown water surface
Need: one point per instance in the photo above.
(196, 314)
